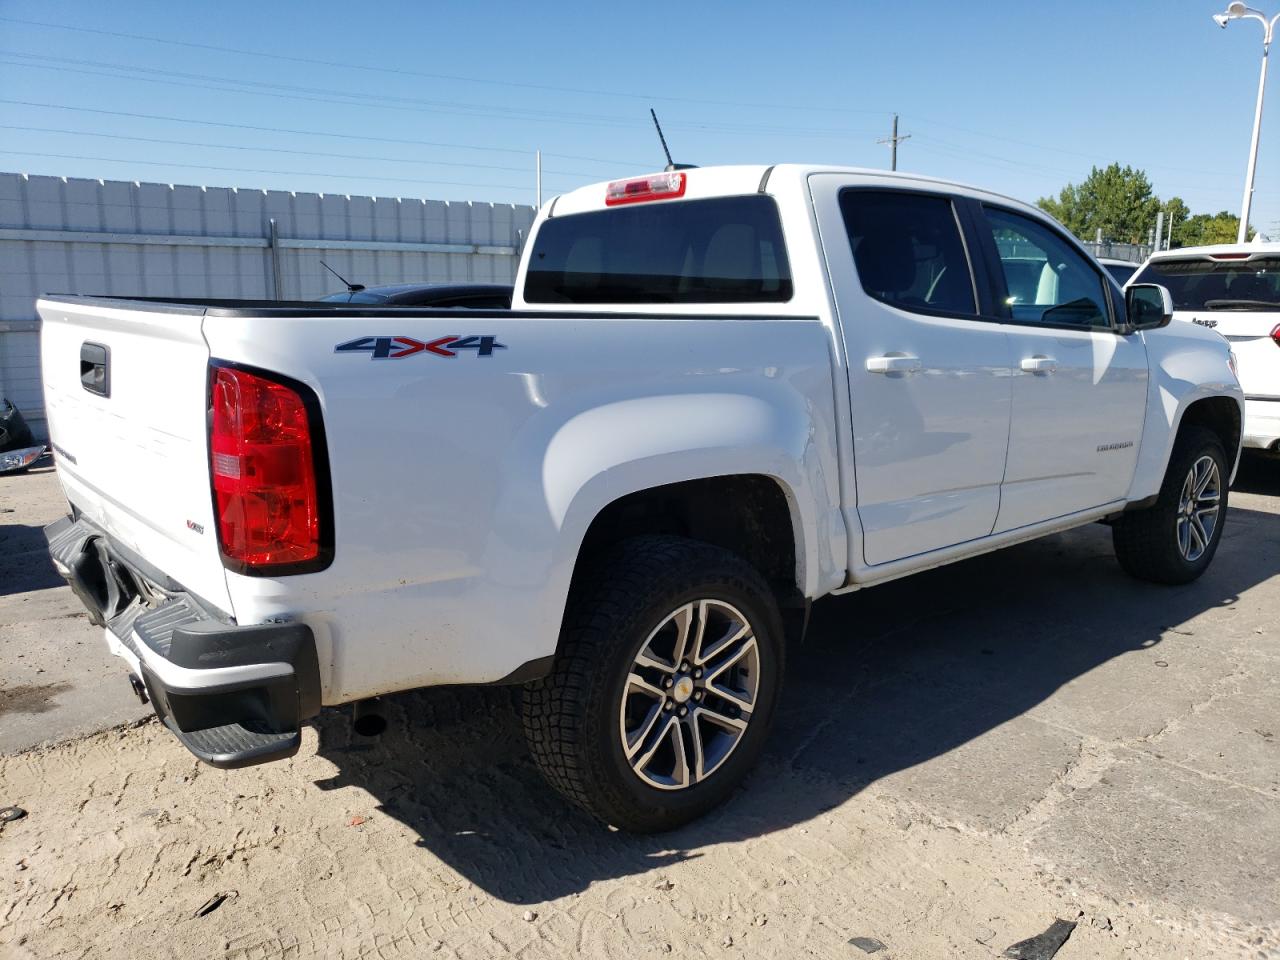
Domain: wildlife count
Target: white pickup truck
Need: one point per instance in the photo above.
(721, 394)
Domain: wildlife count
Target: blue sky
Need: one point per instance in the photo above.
(1018, 97)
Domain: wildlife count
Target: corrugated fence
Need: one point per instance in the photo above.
(62, 235)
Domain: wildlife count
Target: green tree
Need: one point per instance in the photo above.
(1205, 228)
(1117, 199)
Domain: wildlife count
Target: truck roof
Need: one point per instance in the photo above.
(735, 180)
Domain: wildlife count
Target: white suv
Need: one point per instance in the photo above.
(1233, 289)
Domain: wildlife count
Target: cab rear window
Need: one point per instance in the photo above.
(721, 250)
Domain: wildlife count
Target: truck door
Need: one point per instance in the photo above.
(1079, 387)
(929, 374)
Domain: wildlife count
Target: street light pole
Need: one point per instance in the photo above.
(1239, 11)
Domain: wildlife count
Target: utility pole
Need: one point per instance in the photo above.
(538, 164)
(893, 142)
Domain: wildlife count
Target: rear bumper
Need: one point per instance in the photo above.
(1261, 423)
(233, 695)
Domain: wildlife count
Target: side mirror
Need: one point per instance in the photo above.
(1148, 306)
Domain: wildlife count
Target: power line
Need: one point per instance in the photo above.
(347, 65)
(338, 99)
(1058, 149)
(304, 153)
(509, 113)
(956, 151)
(453, 106)
(383, 101)
(308, 133)
(960, 151)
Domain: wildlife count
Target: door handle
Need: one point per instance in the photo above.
(1039, 364)
(898, 364)
(95, 368)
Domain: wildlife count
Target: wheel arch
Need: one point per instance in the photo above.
(1220, 415)
(749, 514)
(756, 515)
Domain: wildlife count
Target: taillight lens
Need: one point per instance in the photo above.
(264, 474)
(1275, 335)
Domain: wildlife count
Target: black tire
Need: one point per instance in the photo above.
(1146, 541)
(571, 718)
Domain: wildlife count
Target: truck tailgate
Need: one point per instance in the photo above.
(126, 399)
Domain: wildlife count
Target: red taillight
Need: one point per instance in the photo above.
(1230, 256)
(264, 475)
(659, 186)
(1275, 335)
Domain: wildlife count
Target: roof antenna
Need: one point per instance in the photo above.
(351, 287)
(671, 164)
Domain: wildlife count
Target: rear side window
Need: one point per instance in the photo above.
(1201, 284)
(908, 250)
(721, 250)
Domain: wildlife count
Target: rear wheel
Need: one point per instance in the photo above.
(1174, 540)
(664, 687)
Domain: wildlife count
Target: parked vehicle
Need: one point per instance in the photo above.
(1120, 270)
(1234, 290)
(722, 394)
(480, 296)
(18, 448)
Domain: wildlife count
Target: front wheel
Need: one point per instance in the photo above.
(664, 686)
(1174, 540)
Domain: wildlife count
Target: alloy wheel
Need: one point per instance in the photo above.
(1198, 508)
(689, 694)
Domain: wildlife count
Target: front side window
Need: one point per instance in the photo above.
(1047, 280)
(719, 250)
(1197, 283)
(908, 250)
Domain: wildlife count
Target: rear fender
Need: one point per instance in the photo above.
(632, 445)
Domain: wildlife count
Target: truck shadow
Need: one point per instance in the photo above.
(1258, 473)
(888, 679)
(24, 560)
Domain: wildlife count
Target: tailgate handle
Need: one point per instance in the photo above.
(95, 368)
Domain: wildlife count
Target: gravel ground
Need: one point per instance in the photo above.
(961, 758)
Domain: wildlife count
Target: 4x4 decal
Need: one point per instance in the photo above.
(396, 348)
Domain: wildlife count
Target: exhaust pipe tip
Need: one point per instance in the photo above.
(367, 719)
(139, 688)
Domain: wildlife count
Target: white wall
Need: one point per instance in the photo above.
(161, 240)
